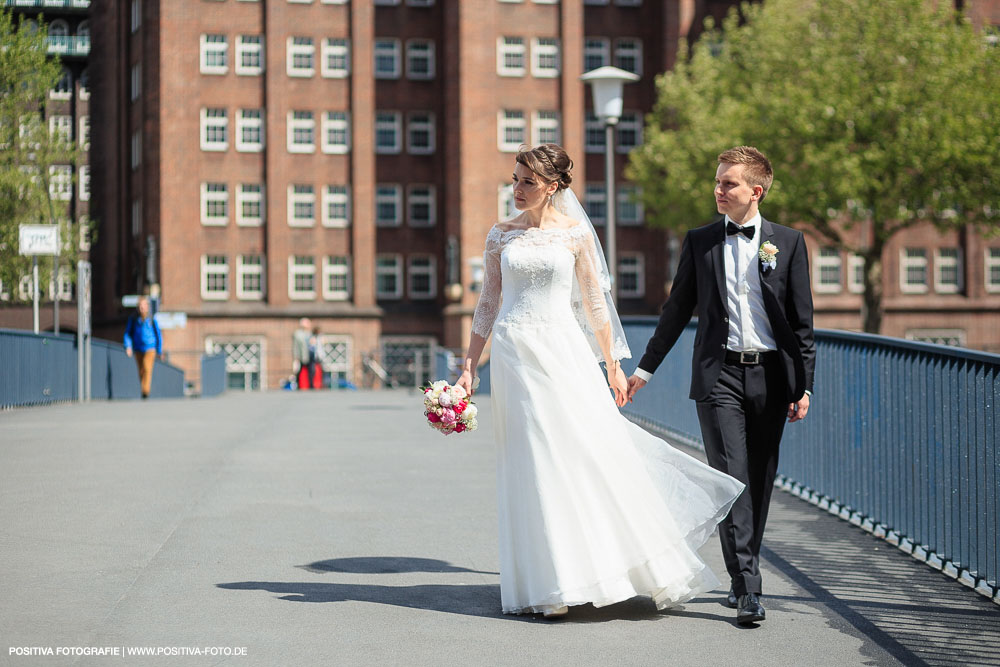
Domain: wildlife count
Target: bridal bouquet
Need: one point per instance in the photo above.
(449, 409)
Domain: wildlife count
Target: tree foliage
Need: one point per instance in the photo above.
(881, 113)
(29, 151)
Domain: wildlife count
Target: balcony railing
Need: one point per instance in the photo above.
(48, 4)
(65, 45)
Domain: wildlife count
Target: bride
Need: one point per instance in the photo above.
(592, 509)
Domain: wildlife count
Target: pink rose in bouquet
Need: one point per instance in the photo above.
(448, 408)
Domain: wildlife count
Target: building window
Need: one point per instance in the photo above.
(250, 131)
(387, 56)
(301, 205)
(301, 278)
(596, 53)
(628, 55)
(992, 269)
(948, 271)
(136, 149)
(631, 276)
(629, 131)
(214, 130)
(505, 202)
(386, 3)
(85, 83)
(85, 182)
(250, 205)
(85, 132)
(214, 203)
(301, 132)
(629, 206)
(336, 278)
(545, 57)
(336, 132)
(388, 130)
(422, 277)
(336, 58)
(421, 208)
(61, 182)
(249, 55)
(826, 271)
(61, 128)
(64, 86)
(420, 133)
(136, 15)
(250, 277)
(136, 83)
(214, 54)
(595, 200)
(628, 3)
(855, 273)
(913, 270)
(545, 128)
(420, 3)
(593, 134)
(336, 206)
(388, 276)
(420, 59)
(301, 57)
(214, 277)
(510, 56)
(596, 2)
(512, 130)
(136, 218)
(388, 205)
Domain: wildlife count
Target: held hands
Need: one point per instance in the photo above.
(635, 383)
(618, 383)
(797, 411)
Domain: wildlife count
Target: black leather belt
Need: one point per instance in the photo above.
(750, 358)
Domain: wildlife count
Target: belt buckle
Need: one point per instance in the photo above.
(750, 358)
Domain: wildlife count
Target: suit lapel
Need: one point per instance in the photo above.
(718, 261)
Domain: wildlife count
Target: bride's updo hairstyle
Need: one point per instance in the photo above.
(550, 161)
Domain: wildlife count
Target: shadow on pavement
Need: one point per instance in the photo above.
(386, 565)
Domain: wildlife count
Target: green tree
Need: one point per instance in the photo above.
(877, 115)
(34, 162)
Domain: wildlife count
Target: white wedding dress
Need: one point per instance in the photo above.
(592, 508)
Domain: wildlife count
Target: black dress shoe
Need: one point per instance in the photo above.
(749, 610)
(731, 599)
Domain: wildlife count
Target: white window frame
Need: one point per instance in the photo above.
(244, 269)
(339, 47)
(539, 51)
(628, 47)
(388, 193)
(830, 260)
(395, 270)
(509, 45)
(84, 176)
(218, 119)
(246, 120)
(301, 120)
(630, 120)
(413, 272)
(507, 120)
(305, 49)
(905, 263)
(214, 45)
(85, 83)
(209, 268)
(63, 90)
(84, 133)
(545, 121)
(336, 121)
(416, 122)
(629, 195)
(421, 194)
(505, 202)
(135, 82)
(247, 194)
(214, 193)
(942, 262)
(596, 48)
(595, 194)
(136, 159)
(413, 48)
(249, 45)
(61, 182)
(335, 266)
(303, 194)
(389, 120)
(639, 269)
(296, 268)
(337, 195)
(855, 263)
(61, 128)
(991, 260)
(387, 47)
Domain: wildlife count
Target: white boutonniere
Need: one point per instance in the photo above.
(768, 254)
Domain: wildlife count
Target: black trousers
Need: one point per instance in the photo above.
(742, 420)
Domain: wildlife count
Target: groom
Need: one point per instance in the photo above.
(754, 355)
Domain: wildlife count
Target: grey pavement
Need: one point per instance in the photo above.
(336, 529)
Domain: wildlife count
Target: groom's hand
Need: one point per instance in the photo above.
(797, 411)
(635, 383)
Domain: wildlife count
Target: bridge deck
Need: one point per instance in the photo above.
(194, 523)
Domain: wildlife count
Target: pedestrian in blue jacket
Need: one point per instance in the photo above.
(142, 334)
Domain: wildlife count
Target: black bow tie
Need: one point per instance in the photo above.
(733, 228)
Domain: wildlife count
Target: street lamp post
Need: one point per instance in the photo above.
(606, 84)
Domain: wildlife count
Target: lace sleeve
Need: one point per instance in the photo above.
(489, 299)
(589, 279)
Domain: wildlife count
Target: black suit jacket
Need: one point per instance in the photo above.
(700, 284)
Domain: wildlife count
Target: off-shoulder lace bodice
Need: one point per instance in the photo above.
(529, 279)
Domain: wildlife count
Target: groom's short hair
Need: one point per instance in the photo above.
(758, 168)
